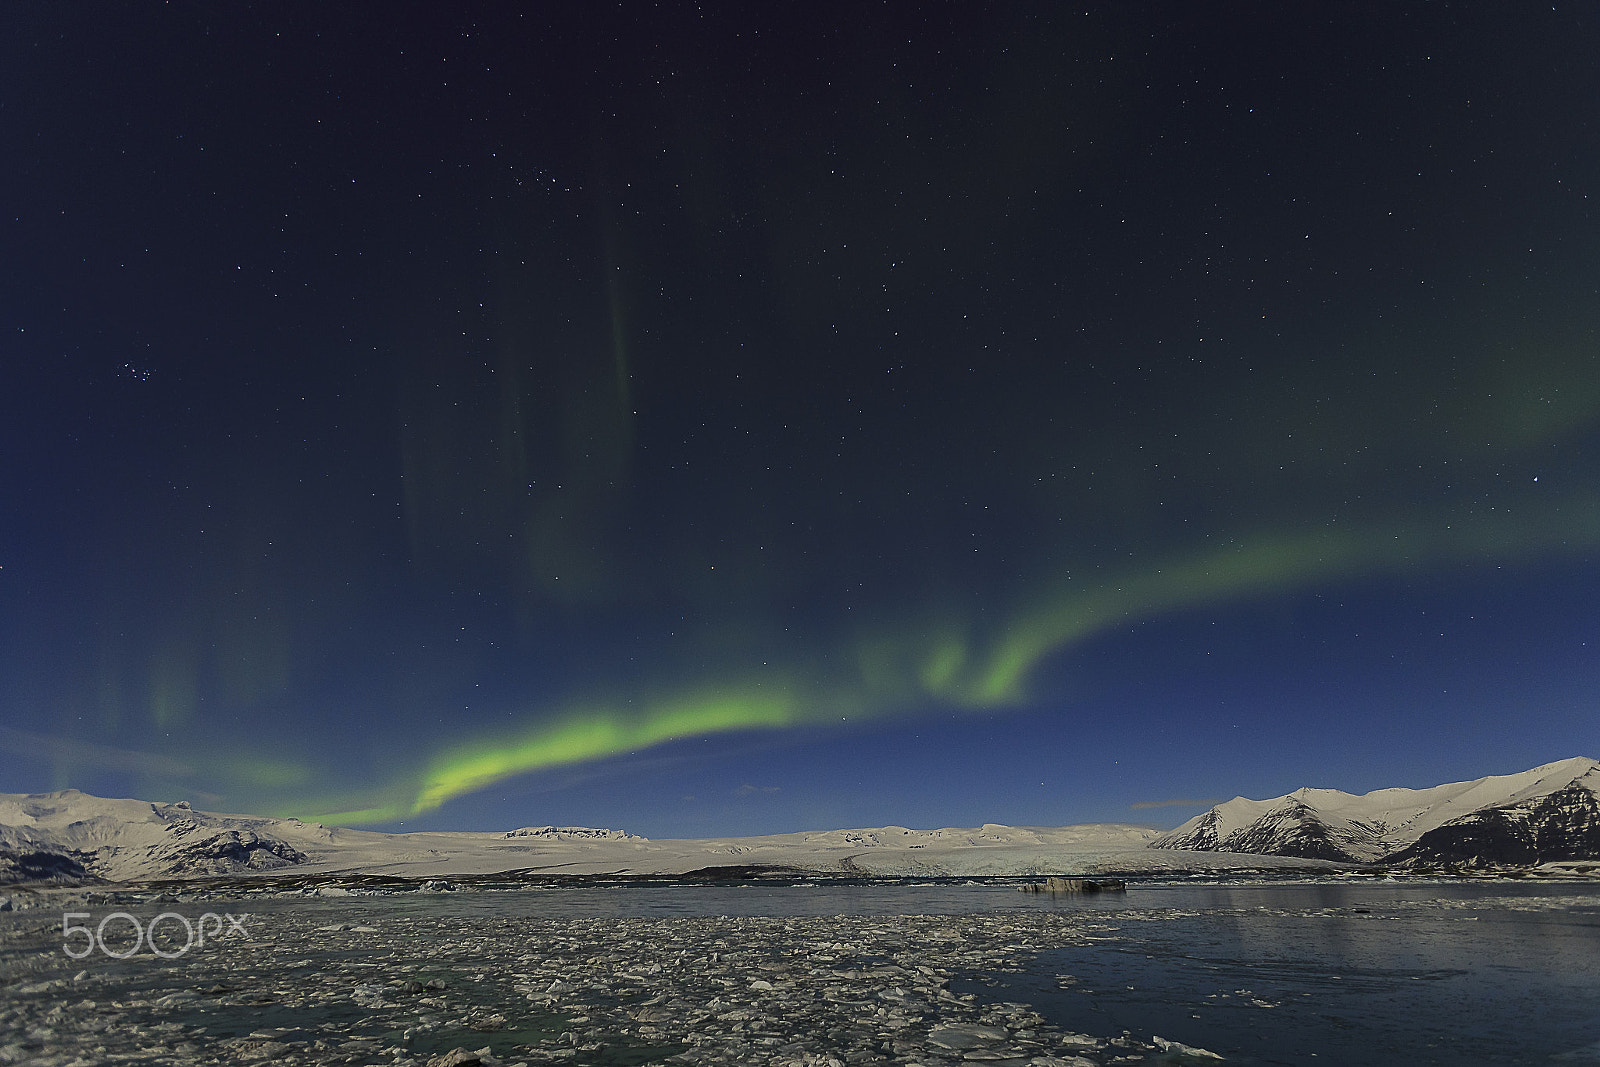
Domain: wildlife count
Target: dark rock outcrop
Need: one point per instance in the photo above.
(1293, 830)
(1565, 825)
(228, 852)
(1075, 885)
(37, 865)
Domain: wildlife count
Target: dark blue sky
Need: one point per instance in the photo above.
(713, 421)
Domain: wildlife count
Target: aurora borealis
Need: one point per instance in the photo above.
(707, 421)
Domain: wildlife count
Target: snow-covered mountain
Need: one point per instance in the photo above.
(1542, 815)
(74, 836)
(69, 834)
(1550, 813)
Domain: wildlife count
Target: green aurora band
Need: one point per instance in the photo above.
(918, 669)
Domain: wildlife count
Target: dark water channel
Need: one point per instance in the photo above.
(1371, 974)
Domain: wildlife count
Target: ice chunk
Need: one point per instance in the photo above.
(1188, 1052)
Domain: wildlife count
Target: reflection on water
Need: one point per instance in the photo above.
(1387, 976)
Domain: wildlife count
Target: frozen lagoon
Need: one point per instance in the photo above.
(1356, 972)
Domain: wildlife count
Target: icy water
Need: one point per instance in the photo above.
(1380, 975)
(1368, 973)
(1372, 973)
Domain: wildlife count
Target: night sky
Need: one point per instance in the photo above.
(785, 417)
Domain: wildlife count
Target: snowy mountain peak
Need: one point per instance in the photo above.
(1551, 811)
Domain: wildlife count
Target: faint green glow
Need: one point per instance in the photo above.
(1266, 565)
(908, 665)
(619, 343)
(357, 807)
(270, 774)
(360, 816)
(595, 734)
(174, 685)
(1539, 392)
(943, 665)
(1269, 565)
(882, 662)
